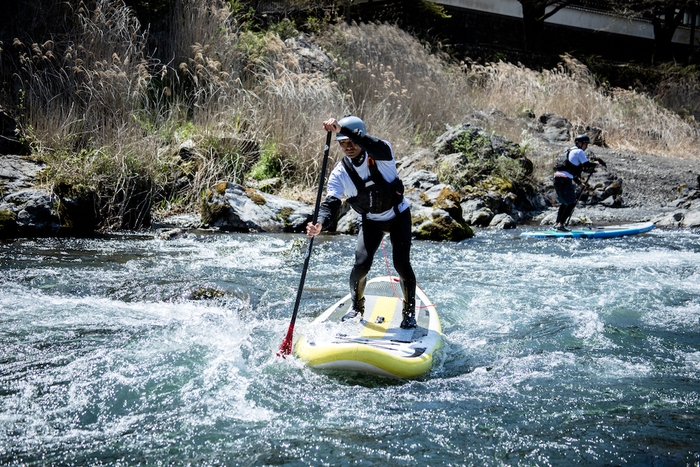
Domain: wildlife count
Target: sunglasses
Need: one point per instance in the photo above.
(346, 143)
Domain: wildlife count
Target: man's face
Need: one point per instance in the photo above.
(350, 149)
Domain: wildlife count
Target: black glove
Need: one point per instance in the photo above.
(599, 161)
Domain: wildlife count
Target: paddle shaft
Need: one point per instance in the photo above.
(578, 198)
(286, 347)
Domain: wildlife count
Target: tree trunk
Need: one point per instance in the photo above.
(664, 29)
(691, 43)
(533, 26)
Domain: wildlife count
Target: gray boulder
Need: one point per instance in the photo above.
(502, 221)
(19, 172)
(30, 210)
(231, 207)
(34, 212)
(555, 128)
(310, 57)
(439, 225)
(420, 180)
(691, 218)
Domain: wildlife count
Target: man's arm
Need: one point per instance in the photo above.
(327, 212)
(377, 148)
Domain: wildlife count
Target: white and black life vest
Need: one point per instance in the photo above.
(375, 195)
(563, 164)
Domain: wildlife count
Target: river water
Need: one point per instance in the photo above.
(131, 350)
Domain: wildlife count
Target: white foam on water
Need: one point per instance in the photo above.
(542, 373)
(537, 333)
(221, 390)
(262, 253)
(674, 317)
(590, 329)
(692, 361)
(196, 346)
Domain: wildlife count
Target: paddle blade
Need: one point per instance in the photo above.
(286, 347)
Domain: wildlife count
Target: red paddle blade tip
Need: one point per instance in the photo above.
(286, 347)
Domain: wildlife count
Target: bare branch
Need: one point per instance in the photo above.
(559, 6)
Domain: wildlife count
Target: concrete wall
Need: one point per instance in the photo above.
(484, 35)
(571, 17)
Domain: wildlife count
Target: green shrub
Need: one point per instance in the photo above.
(487, 161)
(269, 165)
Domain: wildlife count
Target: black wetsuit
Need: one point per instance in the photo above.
(396, 220)
(564, 185)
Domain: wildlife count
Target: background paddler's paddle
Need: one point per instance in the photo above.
(286, 347)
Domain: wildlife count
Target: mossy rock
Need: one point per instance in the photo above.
(448, 196)
(255, 197)
(424, 199)
(206, 293)
(473, 157)
(210, 213)
(76, 207)
(499, 184)
(63, 214)
(444, 228)
(220, 187)
(284, 216)
(8, 224)
(417, 220)
(449, 200)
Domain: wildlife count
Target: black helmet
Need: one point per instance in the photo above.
(351, 122)
(582, 139)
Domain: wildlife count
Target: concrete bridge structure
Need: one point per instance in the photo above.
(575, 17)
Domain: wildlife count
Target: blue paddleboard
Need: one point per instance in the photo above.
(593, 232)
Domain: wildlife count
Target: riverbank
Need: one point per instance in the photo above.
(647, 187)
(499, 177)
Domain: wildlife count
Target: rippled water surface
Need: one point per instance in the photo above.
(137, 351)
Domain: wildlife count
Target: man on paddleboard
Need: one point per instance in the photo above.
(568, 168)
(368, 178)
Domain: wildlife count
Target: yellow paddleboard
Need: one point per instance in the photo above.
(376, 344)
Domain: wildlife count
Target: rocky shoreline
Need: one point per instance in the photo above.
(468, 179)
(632, 188)
(653, 188)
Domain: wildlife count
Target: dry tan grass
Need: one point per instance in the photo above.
(407, 94)
(630, 121)
(403, 92)
(98, 105)
(87, 88)
(292, 108)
